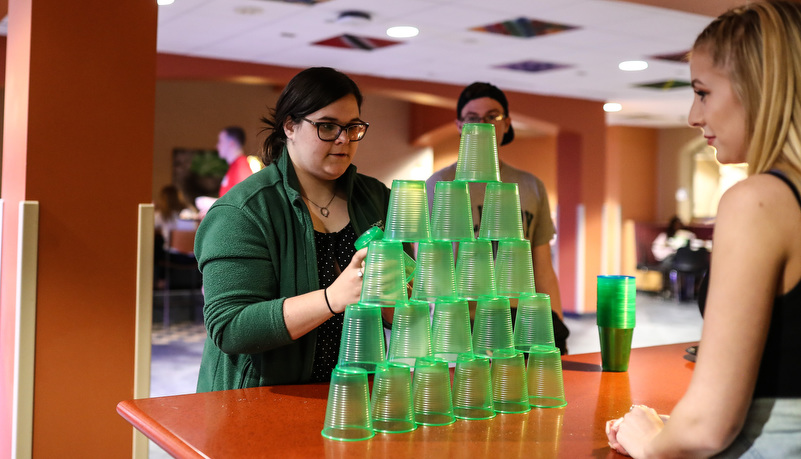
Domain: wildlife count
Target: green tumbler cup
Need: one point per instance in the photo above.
(616, 320)
(616, 298)
(615, 348)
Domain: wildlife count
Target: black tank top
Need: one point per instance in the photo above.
(779, 371)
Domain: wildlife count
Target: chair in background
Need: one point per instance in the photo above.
(686, 272)
(638, 259)
(182, 277)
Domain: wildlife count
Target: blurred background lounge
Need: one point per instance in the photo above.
(106, 105)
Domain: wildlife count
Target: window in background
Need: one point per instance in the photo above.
(710, 180)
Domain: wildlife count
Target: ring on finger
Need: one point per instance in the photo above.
(360, 273)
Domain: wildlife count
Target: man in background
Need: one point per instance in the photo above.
(485, 103)
(231, 148)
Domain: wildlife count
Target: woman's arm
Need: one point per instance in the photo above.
(748, 260)
(304, 313)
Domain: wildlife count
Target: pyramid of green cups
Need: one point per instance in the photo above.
(499, 367)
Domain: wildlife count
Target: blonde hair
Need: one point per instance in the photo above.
(757, 45)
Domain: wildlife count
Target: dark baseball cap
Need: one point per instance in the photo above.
(478, 90)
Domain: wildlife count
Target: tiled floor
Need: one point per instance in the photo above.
(177, 351)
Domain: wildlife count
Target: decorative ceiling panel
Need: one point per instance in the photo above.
(523, 27)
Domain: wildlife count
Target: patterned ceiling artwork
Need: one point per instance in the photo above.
(300, 2)
(524, 28)
(673, 57)
(355, 42)
(532, 66)
(665, 85)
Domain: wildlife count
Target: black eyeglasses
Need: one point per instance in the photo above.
(328, 131)
(488, 118)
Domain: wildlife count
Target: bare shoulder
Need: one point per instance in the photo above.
(762, 207)
(758, 194)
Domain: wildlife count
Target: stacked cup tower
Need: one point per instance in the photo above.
(499, 366)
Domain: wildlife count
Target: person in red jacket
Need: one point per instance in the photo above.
(230, 147)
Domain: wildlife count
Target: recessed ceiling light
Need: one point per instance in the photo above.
(164, 2)
(632, 66)
(402, 32)
(612, 107)
(248, 10)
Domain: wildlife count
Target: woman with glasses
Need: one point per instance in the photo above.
(276, 252)
(486, 103)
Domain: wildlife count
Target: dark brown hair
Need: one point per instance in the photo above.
(307, 92)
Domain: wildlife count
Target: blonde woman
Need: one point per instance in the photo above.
(744, 399)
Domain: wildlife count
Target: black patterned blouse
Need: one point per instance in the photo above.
(334, 252)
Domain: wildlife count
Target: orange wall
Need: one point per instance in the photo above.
(190, 114)
(633, 153)
(674, 169)
(78, 126)
(536, 155)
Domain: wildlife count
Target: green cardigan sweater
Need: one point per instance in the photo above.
(255, 248)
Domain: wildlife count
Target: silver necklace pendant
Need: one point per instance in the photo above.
(323, 210)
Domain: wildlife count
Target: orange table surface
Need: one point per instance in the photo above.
(285, 421)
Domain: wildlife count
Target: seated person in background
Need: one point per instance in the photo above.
(171, 213)
(668, 242)
(666, 245)
(744, 398)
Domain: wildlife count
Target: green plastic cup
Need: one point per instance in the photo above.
(407, 217)
(501, 218)
(347, 415)
(431, 392)
(509, 385)
(411, 333)
(362, 344)
(478, 154)
(434, 277)
(472, 387)
(533, 322)
(492, 327)
(616, 318)
(391, 402)
(616, 300)
(450, 330)
(514, 268)
(544, 373)
(384, 281)
(475, 270)
(615, 348)
(452, 213)
(376, 234)
(373, 234)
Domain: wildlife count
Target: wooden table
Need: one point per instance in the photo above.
(285, 421)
